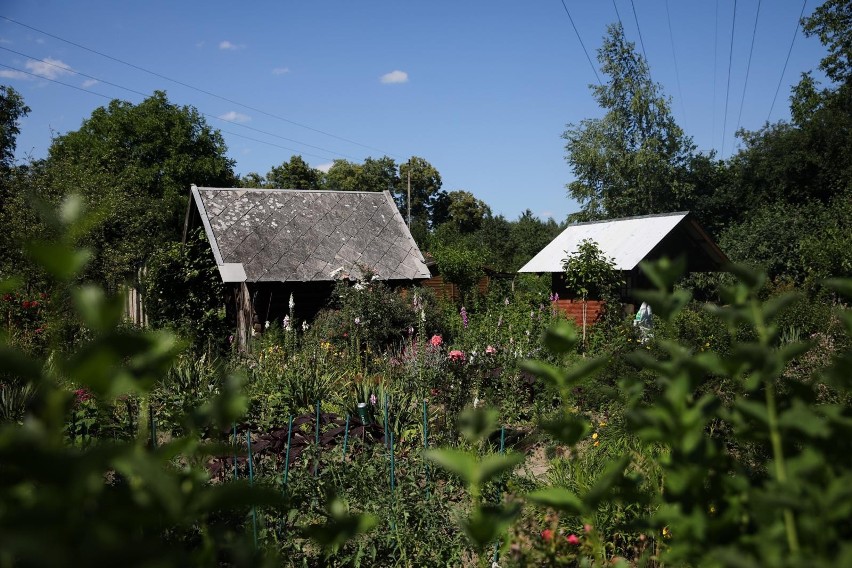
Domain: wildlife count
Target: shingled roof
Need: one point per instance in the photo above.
(285, 235)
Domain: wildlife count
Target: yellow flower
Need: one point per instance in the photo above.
(666, 532)
(601, 424)
(596, 444)
(595, 436)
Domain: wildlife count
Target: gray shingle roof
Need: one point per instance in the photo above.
(283, 235)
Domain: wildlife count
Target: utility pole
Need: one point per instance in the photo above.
(409, 194)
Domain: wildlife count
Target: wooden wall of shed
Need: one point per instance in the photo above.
(574, 310)
(449, 291)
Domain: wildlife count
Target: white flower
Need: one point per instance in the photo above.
(476, 402)
(357, 321)
(359, 286)
(422, 315)
(292, 302)
(286, 323)
(305, 326)
(374, 278)
(267, 324)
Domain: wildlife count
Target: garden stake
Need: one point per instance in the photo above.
(316, 463)
(153, 426)
(502, 450)
(287, 456)
(386, 419)
(345, 436)
(235, 451)
(251, 482)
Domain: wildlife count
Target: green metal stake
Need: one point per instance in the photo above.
(251, 482)
(502, 450)
(153, 426)
(345, 436)
(386, 419)
(287, 456)
(235, 451)
(316, 463)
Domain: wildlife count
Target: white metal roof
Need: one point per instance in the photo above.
(627, 241)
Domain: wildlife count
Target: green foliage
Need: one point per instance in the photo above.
(134, 165)
(633, 160)
(295, 174)
(460, 265)
(12, 110)
(183, 291)
(746, 476)
(116, 503)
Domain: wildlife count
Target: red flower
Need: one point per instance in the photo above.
(456, 356)
(7, 297)
(34, 304)
(25, 304)
(572, 539)
(82, 395)
(547, 535)
(436, 341)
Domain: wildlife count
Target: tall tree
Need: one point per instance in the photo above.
(295, 174)
(631, 161)
(12, 110)
(425, 185)
(134, 164)
(375, 174)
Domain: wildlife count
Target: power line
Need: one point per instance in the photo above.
(617, 14)
(786, 61)
(728, 91)
(200, 90)
(715, 72)
(112, 98)
(134, 91)
(674, 56)
(641, 42)
(748, 66)
(592, 65)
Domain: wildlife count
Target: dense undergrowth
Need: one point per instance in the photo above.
(720, 440)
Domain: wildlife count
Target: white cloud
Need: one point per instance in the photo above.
(234, 116)
(12, 74)
(324, 167)
(280, 70)
(48, 68)
(227, 45)
(395, 76)
(89, 83)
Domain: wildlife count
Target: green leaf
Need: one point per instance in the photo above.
(340, 527)
(59, 260)
(568, 429)
(99, 312)
(487, 522)
(494, 465)
(664, 272)
(558, 498)
(606, 483)
(560, 338)
(462, 464)
(478, 423)
(753, 279)
(554, 375)
(841, 285)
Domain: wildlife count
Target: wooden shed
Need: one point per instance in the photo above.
(629, 241)
(270, 244)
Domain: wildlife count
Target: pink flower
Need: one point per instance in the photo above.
(82, 395)
(490, 350)
(547, 535)
(587, 528)
(572, 539)
(463, 314)
(436, 341)
(456, 356)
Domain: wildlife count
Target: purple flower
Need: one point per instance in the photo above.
(463, 313)
(373, 399)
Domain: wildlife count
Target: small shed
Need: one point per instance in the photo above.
(629, 241)
(270, 244)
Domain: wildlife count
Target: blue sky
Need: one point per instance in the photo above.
(482, 90)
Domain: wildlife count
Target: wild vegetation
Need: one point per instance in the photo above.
(402, 429)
